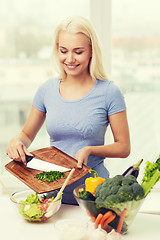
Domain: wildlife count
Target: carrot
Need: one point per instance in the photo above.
(98, 219)
(121, 220)
(110, 219)
(105, 216)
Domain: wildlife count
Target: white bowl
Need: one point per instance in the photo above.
(71, 229)
(36, 212)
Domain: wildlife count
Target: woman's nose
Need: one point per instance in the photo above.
(70, 57)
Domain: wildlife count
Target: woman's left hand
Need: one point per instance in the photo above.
(82, 156)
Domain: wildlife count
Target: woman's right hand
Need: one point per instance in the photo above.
(17, 150)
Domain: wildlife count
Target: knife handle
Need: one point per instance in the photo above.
(28, 158)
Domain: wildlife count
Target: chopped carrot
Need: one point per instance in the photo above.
(105, 216)
(109, 219)
(121, 220)
(98, 219)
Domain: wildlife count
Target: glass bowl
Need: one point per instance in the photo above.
(92, 209)
(36, 212)
(71, 229)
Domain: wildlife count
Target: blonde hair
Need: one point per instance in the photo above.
(81, 25)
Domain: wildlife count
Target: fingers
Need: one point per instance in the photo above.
(79, 164)
(17, 152)
(27, 152)
(79, 160)
(13, 153)
(22, 155)
(81, 157)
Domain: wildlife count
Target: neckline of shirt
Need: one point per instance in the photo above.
(77, 100)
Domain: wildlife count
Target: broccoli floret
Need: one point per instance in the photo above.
(138, 192)
(112, 199)
(103, 194)
(129, 180)
(86, 195)
(125, 193)
(117, 180)
(114, 189)
(97, 190)
(119, 189)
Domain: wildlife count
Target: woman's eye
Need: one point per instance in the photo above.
(79, 53)
(62, 51)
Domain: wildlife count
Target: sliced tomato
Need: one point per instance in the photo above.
(47, 200)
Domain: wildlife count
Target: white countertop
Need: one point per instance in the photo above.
(13, 226)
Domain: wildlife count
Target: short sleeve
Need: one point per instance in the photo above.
(114, 100)
(38, 100)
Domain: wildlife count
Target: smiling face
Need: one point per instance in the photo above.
(74, 52)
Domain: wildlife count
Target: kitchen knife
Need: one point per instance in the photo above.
(41, 165)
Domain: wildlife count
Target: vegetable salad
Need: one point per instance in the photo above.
(34, 208)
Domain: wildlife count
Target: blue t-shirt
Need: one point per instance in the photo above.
(73, 125)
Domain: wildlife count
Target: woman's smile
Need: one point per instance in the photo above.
(71, 67)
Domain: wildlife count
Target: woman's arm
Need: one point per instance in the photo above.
(119, 149)
(19, 144)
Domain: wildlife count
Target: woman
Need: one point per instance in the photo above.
(78, 106)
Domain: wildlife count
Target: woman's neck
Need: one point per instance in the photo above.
(72, 88)
(78, 80)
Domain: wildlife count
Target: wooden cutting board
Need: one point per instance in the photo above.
(49, 154)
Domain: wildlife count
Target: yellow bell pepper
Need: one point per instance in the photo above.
(92, 182)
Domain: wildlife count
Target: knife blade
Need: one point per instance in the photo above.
(41, 165)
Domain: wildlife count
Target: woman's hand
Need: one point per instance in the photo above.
(17, 150)
(82, 156)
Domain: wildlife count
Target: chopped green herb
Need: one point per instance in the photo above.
(50, 176)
